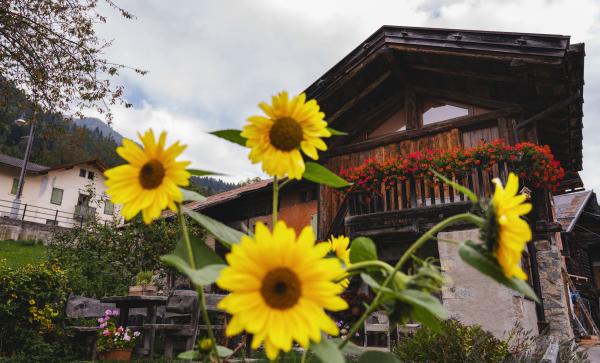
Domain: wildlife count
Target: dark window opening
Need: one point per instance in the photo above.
(82, 173)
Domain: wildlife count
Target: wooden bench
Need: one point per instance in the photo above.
(84, 307)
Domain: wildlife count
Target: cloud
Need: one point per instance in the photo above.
(210, 63)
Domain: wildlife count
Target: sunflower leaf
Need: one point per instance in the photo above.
(199, 172)
(191, 196)
(231, 135)
(362, 249)
(203, 255)
(328, 351)
(335, 132)
(200, 277)
(424, 301)
(482, 261)
(462, 189)
(379, 357)
(350, 348)
(321, 175)
(222, 232)
(189, 354)
(224, 351)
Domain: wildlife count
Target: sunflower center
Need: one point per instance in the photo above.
(286, 134)
(152, 174)
(281, 288)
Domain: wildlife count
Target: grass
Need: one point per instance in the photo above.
(20, 253)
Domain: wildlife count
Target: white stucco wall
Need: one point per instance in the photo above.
(37, 193)
(473, 298)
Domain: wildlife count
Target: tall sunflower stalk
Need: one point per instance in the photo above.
(282, 284)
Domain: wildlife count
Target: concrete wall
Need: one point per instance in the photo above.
(37, 191)
(473, 298)
(11, 229)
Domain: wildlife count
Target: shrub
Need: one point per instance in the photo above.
(32, 301)
(103, 259)
(454, 342)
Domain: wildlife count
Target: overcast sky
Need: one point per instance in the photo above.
(211, 62)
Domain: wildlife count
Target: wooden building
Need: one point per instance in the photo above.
(408, 89)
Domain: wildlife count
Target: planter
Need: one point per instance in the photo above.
(118, 355)
(138, 290)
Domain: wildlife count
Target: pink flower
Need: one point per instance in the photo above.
(106, 332)
(115, 312)
(100, 320)
(126, 337)
(108, 312)
(103, 325)
(120, 329)
(136, 334)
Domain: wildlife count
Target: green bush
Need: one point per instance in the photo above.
(103, 259)
(453, 343)
(32, 303)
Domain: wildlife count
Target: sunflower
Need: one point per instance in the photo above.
(149, 183)
(280, 286)
(340, 247)
(511, 232)
(290, 125)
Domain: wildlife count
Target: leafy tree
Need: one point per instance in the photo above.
(50, 51)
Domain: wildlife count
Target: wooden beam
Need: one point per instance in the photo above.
(550, 110)
(363, 94)
(463, 73)
(463, 98)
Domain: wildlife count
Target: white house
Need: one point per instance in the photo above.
(63, 195)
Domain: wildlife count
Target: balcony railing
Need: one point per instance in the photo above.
(83, 212)
(423, 192)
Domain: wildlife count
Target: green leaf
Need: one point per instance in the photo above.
(191, 196)
(362, 249)
(200, 277)
(231, 136)
(321, 175)
(188, 355)
(350, 348)
(424, 301)
(198, 172)
(224, 351)
(462, 189)
(478, 258)
(222, 232)
(335, 132)
(379, 357)
(328, 351)
(203, 255)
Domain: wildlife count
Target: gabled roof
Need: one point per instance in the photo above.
(230, 195)
(493, 70)
(568, 208)
(40, 169)
(18, 163)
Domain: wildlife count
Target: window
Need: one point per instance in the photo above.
(396, 123)
(109, 207)
(82, 173)
(15, 185)
(90, 175)
(57, 196)
(437, 111)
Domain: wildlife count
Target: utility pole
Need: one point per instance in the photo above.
(17, 202)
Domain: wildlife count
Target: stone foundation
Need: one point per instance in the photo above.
(475, 299)
(11, 229)
(556, 309)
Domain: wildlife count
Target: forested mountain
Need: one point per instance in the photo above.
(56, 141)
(210, 185)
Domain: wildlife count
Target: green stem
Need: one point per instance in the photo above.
(199, 290)
(275, 199)
(409, 252)
(303, 360)
(371, 263)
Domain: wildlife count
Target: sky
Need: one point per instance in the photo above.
(211, 62)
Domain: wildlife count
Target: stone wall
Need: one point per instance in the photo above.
(556, 309)
(473, 298)
(11, 229)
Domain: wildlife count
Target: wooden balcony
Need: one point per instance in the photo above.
(416, 204)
